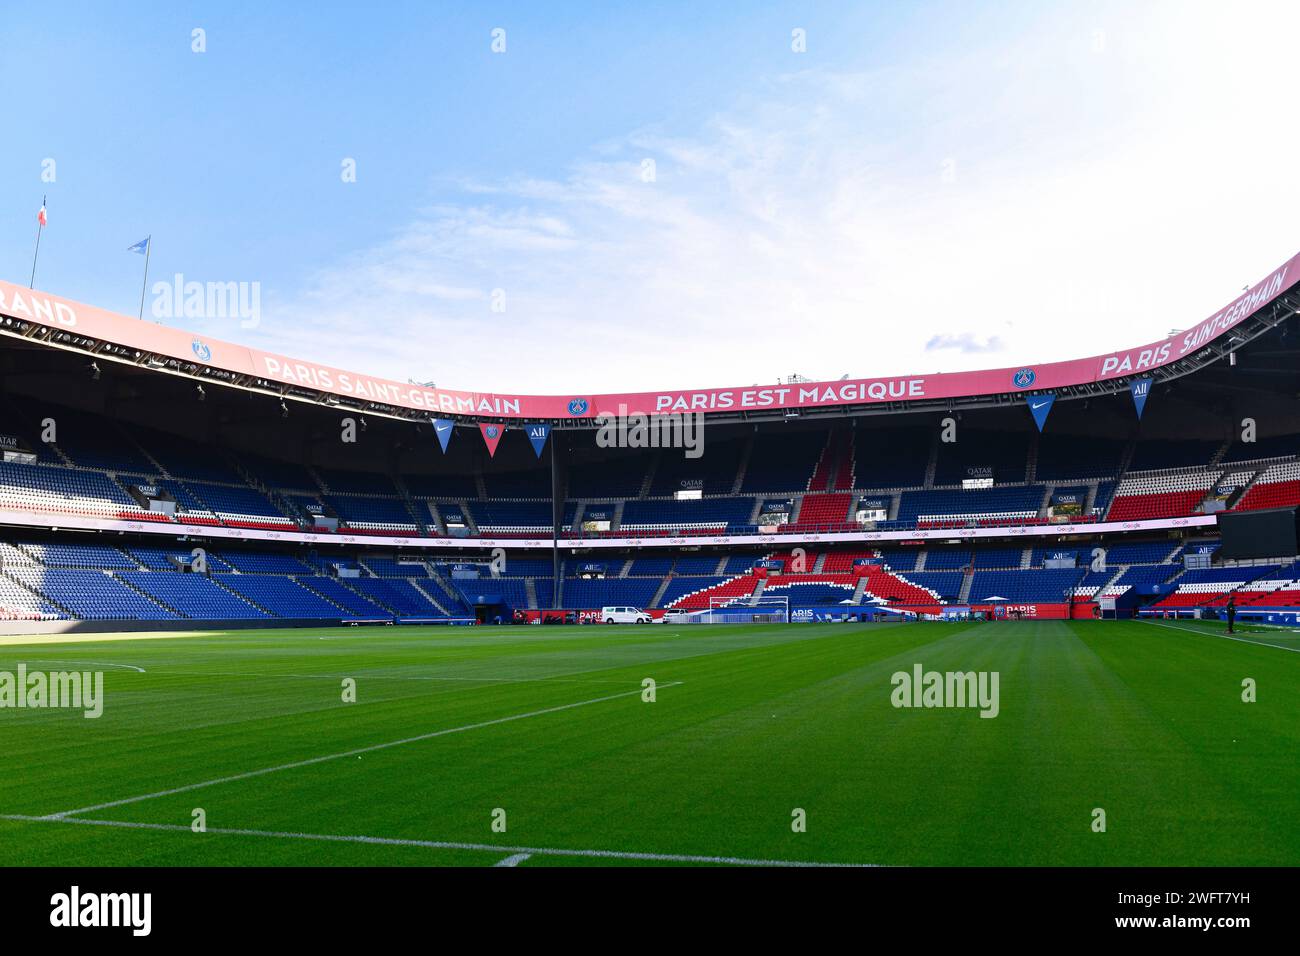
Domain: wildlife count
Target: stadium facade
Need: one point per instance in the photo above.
(151, 476)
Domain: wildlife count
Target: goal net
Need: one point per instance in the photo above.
(766, 610)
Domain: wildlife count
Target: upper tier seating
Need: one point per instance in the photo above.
(669, 515)
(377, 515)
(1005, 452)
(240, 506)
(961, 507)
(66, 491)
(1277, 487)
(184, 458)
(448, 487)
(1160, 494)
(714, 471)
(1280, 446)
(95, 442)
(515, 484)
(357, 482)
(891, 457)
(1066, 457)
(783, 462)
(512, 517)
(617, 478)
(1153, 455)
(829, 512)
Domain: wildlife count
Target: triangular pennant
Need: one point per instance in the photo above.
(1039, 406)
(1140, 388)
(537, 434)
(491, 436)
(442, 427)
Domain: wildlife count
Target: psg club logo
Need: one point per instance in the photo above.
(492, 431)
(1023, 378)
(201, 350)
(578, 406)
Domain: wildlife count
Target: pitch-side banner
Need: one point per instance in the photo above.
(279, 370)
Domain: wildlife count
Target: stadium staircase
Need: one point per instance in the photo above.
(743, 464)
(422, 525)
(422, 587)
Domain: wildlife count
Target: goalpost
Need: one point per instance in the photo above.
(772, 609)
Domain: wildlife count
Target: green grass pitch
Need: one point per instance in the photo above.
(1144, 721)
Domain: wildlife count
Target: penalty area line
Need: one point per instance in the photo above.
(1225, 637)
(356, 751)
(517, 853)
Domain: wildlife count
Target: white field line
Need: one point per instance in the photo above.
(129, 667)
(364, 676)
(1239, 640)
(346, 753)
(41, 640)
(439, 844)
(514, 859)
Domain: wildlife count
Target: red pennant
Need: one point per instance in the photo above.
(491, 436)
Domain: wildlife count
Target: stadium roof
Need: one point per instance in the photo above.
(49, 320)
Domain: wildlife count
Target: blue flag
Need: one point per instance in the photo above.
(1141, 388)
(442, 428)
(141, 247)
(1040, 405)
(537, 434)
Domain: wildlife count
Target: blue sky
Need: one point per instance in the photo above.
(928, 187)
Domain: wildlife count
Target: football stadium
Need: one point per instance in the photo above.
(639, 468)
(652, 628)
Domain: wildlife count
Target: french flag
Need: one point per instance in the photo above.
(40, 216)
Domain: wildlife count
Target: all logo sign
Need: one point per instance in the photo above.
(1141, 389)
(537, 434)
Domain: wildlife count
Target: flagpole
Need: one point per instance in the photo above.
(39, 227)
(143, 285)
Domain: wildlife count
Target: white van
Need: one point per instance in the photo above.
(624, 615)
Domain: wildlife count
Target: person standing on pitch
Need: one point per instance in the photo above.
(1232, 612)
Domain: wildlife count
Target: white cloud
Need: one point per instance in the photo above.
(1043, 200)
